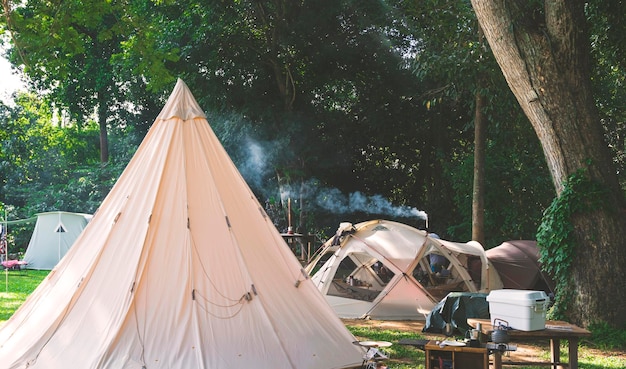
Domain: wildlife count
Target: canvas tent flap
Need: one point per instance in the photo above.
(179, 268)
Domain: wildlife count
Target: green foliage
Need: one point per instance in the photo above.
(81, 54)
(368, 97)
(47, 164)
(518, 186)
(605, 337)
(608, 50)
(398, 352)
(374, 97)
(555, 236)
(453, 64)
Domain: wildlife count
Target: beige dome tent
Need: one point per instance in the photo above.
(54, 234)
(387, 270)
(180, 268)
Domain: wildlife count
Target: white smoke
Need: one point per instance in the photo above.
(256, 163)
(335, 201)
(258, 169)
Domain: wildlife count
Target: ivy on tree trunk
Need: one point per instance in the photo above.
(543, 51)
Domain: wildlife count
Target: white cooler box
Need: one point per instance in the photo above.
(521, 309)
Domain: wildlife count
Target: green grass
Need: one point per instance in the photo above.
(604, 350)
(607, 355)
(15, 287)
(402, 357)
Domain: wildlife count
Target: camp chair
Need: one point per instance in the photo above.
(373, 357)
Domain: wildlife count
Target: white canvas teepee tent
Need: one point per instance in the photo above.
(388, 270)
(180, 268)
(54, 234)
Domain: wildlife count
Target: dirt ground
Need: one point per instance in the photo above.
(526, 351)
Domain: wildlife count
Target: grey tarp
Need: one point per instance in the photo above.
(455, 308)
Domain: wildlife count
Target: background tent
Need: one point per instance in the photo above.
(179, 268)
(54, 234)
(388, 270)
(518, 266)
(517, 262)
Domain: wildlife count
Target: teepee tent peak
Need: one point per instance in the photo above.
(179, 268)
(181, 104)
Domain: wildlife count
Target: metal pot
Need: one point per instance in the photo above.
(500, 333)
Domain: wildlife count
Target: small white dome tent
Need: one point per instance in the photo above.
(55, 232)
(390, 271)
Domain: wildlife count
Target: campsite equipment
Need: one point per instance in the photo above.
(375, 355)
(472, 338)
(179, 268)
(398, 272)
(455, 309)
(524, 310)
(500, 332)
(55, 232)
(473, 334)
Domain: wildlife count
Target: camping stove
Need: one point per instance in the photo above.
(502, 347)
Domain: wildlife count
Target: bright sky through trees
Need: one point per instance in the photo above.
(9, 81)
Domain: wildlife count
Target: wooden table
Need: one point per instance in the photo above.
(457, 356)
(555, 331)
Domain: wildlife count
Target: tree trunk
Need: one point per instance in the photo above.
(544, 56)
(102, 121)
(478, 195)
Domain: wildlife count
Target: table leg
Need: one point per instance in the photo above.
(555, 352)
(497, 359)
(573, 352)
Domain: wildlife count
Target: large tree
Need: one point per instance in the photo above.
(72, 51)
(321, 80)
(65, 50)
(329, 84)
(543, 49)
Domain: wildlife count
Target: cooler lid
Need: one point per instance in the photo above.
(517, 297)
